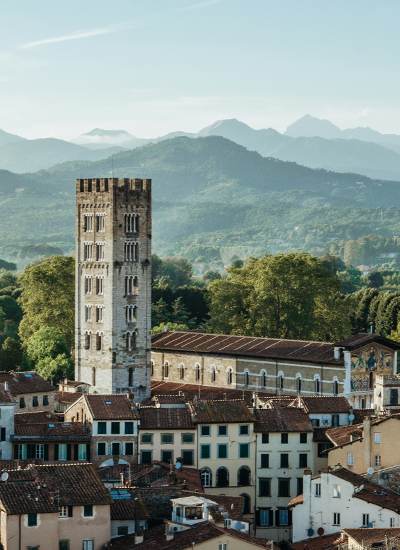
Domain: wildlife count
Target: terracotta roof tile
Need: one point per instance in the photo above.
(185, 477)
(344, 434)
(360, 414)
(349, 476)
(58, 432)
(195, 392)
(202, 532)
(78, 484)
(365, 338)
(326, 542)
(281, 419)
(368, 536)
(320, 435)
(308, 351)
(67, 396)
(221, 411)
(124, 506)
(165, 419)
(39, 417)
(295, 500)
(333, 404)
(25, 382)
(109, 407)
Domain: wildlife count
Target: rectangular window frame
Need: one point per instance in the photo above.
(244, 450)
(146, 439)
(336, 518)
(222, 450)
(264, 486)
(205, 449)
(187, 438)
(167, 439)
(204, 429)
(244, 429)
(221, 429)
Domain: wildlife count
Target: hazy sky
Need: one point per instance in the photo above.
(154, 66)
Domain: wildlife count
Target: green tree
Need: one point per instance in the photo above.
(46, 342)
(47, 298)
(8, 279)
(11, 354)
(180, 314)
(375, 279)
(237, 263)
(11, 308)
(159, 313)
(284, 296)
(171, 326)
(156, 266)
(56, 369)
(333, 263)
(212, 275)
(179, 270)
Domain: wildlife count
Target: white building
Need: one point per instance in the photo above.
(339, 499)
(7, 408)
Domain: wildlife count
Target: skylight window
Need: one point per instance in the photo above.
(28, 375)
(108, 402)
(51, 426)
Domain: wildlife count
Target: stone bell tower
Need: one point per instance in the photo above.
(113, 285)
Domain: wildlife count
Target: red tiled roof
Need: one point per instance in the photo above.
(326, 542)
(67, 396)
(295, 500)
(380, 496)
(272, 348)
(125, 508)
(175, 399)
(39, 417)
(221, 411)
(165, 419)
(368, 536)
(110, 407)
(320, 435)
(196, 392)
(281, 419)
(333, 404)
(198, 534)
(78, 484)
(349, 476)
(59, 432)
(184, 477)
(360, 414)
(344, 434)
(364, 338)
(25, 382)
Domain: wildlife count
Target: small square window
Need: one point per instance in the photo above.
(146, 457)
(336, 491)
(222, 430)
(32, 520)
(122, 530)
(129, 428)
(303, 438)
(284, 438)
(265, 438)
(88, 510)
(115, 428)
(187, 438)
(205, 431)
(146, 438)
(63, 545)
(101, 427)
(167, 438)
(244, 430)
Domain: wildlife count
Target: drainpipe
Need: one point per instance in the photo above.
(19, 533)
(255, 492)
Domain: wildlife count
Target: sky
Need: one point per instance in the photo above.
(157, 66)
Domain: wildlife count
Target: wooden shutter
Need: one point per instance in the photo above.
(271, 518)
(88, 451)
(277, 522)
(290, 517)
(258, 518)
(46, 451)
(16, 451)
(3, 434)
(68, 451)
(70, 511)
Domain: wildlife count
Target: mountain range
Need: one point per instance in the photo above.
(309, 141)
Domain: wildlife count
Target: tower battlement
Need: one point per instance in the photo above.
(113, 284)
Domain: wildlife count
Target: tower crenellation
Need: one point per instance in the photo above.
(113, 284)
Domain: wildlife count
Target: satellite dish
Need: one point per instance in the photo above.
(238, 525)
(178, 465)
(370, 525)
(321, 531)
(351, 417)
(370, 471)
(4, 476)
(310, 532)
(384, 475)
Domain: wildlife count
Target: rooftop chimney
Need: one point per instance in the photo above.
(5, 386)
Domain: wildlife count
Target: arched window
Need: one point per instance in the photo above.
(197, 372)
(229, 375)
(263, 379)
(130, 341)
(93, 376)
(317, 385)
(335, 387)
(130, 314)
(299, 383)
(131, 285)
(222, 477)
(130, 376)
(213, 373)
(246, 503)
(131, 251)
(244, 476)
(88, 339)
(246, 378)
(166, 369)
(99, 341)
(152, 368)
(371, 380)
(181, 371)
(206, 477)
(280, 382)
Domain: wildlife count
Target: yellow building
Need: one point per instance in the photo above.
(49, 507)
(373, 444)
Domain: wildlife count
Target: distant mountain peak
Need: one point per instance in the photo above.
(97, 135)
(309, 126)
